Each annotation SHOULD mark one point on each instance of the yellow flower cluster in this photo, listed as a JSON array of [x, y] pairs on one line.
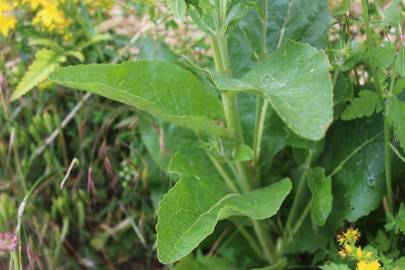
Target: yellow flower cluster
[[348, 249], [372, 265], [7, 20], [48, 15]]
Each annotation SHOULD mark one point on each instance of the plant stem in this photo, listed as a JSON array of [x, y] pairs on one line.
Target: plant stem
[[250, 239], [223, 173], [261, 113], [259, 132], [380, 88], [265, 241], [264, 17], [229, 99], [296, 200]]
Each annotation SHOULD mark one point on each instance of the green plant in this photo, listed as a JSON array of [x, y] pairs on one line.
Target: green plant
[[233, 136]]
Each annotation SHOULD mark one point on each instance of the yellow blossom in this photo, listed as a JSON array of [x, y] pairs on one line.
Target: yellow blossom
[[348, 249], [5, 6], [7, 20], [351, 235], [359, 253], [48, 15], [372, 265], [51, 18]]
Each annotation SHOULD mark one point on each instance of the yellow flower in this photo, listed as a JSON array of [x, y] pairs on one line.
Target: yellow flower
[[348, 249], [5, 6], [372, 265], [50, 17], [7, 21], [350, 236], [359, 253]]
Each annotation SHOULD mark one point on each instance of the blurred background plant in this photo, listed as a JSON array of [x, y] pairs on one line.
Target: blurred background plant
[[103, 216]]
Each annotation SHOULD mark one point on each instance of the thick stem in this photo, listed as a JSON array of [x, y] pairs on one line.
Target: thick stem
[[261, 113], [230, 103], [229, 99], [233, 123], [380, 88]]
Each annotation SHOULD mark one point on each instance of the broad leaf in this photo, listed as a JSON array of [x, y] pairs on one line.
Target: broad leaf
[[296, 81], [44, 63], [189, 212], [396, 117], [300, 20], [321, 189], [150, 49], [163, 89], [357, 148], [366, 104]]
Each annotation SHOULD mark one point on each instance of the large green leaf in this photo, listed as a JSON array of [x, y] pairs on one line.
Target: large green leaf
[[163, 89], [357, 148], [44, 63], [296, 81], [299, 20], [189, 212]]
